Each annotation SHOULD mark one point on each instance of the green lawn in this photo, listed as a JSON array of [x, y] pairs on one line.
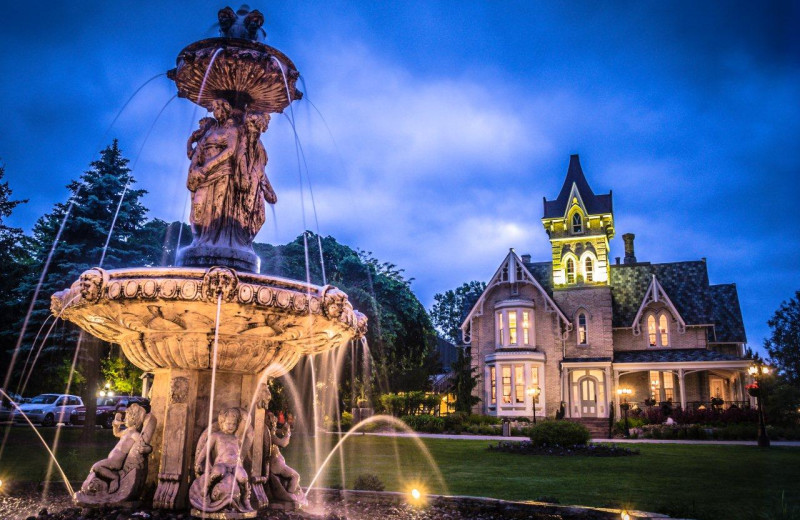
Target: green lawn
[[690, 481]]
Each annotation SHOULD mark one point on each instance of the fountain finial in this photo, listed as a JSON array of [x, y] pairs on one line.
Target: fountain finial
[[243, 24]]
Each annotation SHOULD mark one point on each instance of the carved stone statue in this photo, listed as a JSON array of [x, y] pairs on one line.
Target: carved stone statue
[[119, 477], [284, 481], [244, 23], [222, 483], [255, 187]]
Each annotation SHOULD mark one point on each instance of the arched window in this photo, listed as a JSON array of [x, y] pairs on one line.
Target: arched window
[[663, 329], [651, 331], [588, 271], [577, 223], [583, 338], [658, 329], [570, 270]]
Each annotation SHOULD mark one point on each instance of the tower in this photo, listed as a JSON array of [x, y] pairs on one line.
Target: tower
[[580, 225]]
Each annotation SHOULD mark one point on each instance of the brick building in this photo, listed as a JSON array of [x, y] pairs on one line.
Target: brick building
[[578, 327]]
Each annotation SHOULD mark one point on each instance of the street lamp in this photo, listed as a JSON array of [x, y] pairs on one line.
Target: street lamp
[[534, 392], [623, 394], [756, 370]]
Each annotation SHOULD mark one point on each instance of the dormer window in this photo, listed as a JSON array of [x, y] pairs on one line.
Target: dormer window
[[577, 223], [658, 329], [570, 270], [583, 337]]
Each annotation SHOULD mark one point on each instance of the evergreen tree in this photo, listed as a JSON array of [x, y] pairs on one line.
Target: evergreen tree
[[465, 379], [87, 218], [783, 345]]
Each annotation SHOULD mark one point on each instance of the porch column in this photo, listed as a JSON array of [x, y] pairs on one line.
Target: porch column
[[607, 385], [566, 384], [618, 410], [681, 385]]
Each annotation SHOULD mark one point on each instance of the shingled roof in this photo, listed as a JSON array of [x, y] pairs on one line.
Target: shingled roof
[[728, 325], [676, 355], [686, 284], [595, 204]]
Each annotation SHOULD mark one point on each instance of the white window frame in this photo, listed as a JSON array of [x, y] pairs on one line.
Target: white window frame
[[503, 335], [585, 342], [658, 317]]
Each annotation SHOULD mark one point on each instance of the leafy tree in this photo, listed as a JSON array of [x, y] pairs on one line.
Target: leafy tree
[[452, 307], [465, 379], [123, 376], [400, 334], [783, 345]]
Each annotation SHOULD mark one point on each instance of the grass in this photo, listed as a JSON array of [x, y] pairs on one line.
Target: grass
[[688, 481]]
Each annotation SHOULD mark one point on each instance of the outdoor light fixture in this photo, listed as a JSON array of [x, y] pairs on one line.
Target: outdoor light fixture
[[101, 393], [625, 406], [756, 370], [625, 515], [108, 385], [534, 392], [415, 494]]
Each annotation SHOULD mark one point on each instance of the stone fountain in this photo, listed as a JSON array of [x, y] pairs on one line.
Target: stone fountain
[[212, 330]]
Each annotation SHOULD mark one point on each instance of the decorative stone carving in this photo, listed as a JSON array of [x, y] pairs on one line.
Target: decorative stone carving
[[284, 482], [243, 23], [222, 484], [220, 281], [178, 390], [119, 477], [92, 283], [333, 302]]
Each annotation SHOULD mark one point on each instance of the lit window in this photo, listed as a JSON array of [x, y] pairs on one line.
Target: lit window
[[582, 336], [519, 384], [658, 329], [493, 379], [534, 376], [506, 384], [526, 324], [669, 386], [512, 327], [655, 385], [570, 271], [651, 330], [501, 328], [663, 329], [588, 273], [577, 223]]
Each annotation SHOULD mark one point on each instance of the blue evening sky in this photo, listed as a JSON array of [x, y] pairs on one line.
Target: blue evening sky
[[449, 121]]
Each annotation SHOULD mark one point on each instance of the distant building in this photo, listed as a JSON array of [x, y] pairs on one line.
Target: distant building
[[578, 327]]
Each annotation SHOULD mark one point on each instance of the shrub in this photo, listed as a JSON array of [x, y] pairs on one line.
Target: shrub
[[347, 421], [424, 423], [633, 423], [368, 482], [455, 422], [560, 433]]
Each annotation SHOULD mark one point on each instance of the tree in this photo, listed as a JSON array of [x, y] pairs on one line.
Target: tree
[[86, 217], [400, 334], [783, 345], [465, 379], [451, 309]]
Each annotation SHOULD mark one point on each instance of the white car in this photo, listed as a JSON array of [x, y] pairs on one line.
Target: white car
[[48, 409]]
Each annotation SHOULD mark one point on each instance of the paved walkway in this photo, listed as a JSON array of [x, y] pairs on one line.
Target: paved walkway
[[793, 444]]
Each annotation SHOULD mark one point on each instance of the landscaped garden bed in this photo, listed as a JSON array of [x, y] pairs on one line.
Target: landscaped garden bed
[[586, 450]]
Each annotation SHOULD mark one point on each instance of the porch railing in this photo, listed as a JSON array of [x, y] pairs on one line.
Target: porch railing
[[695, 405]]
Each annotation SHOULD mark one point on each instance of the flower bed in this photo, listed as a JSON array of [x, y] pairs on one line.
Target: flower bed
[[587, 450]]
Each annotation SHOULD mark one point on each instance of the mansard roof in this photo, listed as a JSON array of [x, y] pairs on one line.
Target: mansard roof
[[686, 284], [672, 355], [594, 204], [728, 325]]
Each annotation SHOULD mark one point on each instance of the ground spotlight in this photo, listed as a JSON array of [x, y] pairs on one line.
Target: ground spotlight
[[625, 515]]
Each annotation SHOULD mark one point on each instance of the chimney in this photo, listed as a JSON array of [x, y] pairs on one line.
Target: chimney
[[630, 256], [526, 259]]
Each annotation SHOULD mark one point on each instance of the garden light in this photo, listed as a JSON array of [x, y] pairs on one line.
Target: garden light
[[625, 515], [415, 494]]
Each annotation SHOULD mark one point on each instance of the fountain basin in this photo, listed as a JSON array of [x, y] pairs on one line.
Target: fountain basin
[[166, 317], [249, 74]]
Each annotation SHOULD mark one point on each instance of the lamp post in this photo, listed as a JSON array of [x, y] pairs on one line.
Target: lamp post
[[534, 392], [623, 394], [756, 370]]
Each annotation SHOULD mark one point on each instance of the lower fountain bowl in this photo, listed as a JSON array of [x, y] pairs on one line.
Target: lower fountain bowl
[[172, 317]]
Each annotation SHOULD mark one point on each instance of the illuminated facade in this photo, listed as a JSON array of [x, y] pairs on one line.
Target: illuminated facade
[[578, 327]]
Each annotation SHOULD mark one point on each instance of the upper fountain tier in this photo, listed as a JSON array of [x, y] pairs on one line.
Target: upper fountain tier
[[236, 67]]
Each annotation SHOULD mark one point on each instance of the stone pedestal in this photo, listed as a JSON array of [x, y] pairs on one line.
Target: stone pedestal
[[209, 256]]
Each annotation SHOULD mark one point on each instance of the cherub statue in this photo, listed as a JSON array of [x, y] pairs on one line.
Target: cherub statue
[[119, 477], [222, 483], [285, 482]]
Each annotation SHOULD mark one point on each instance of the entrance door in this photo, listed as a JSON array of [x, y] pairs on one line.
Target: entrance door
[[588, 386], [716, 387]]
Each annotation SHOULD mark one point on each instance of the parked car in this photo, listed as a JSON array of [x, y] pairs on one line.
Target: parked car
[[48, 409], [6, 408], [107, 408]]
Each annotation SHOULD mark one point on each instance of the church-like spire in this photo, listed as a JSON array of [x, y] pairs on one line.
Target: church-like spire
[[593, 204]]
